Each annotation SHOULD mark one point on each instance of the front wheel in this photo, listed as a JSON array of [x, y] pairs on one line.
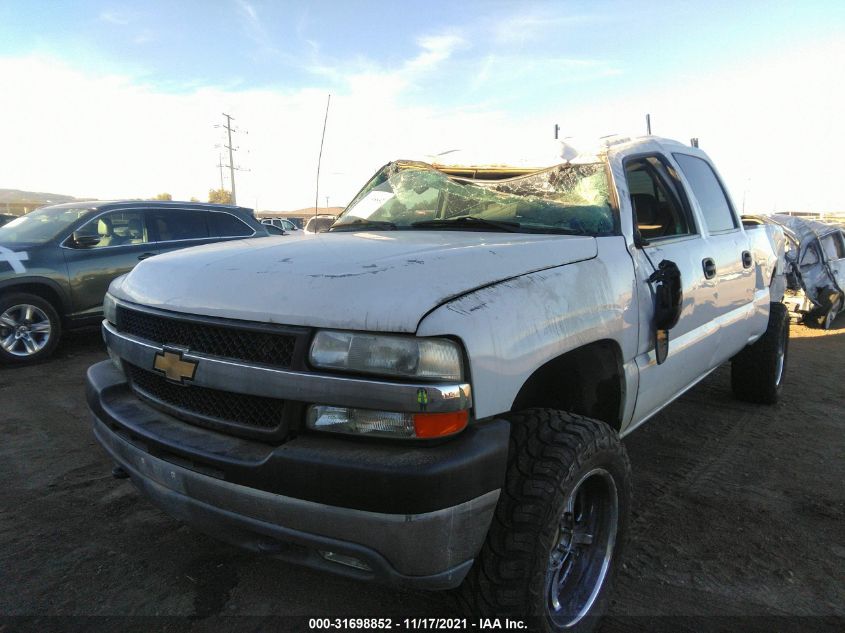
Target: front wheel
[[29, 328], [830, 316], [555, 542]]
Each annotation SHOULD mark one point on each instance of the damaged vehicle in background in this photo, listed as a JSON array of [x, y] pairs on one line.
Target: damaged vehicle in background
[[319, 223], [815, 267], [436, 394]]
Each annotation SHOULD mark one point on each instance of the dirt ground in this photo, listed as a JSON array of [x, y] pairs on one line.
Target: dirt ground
[[738, 525]]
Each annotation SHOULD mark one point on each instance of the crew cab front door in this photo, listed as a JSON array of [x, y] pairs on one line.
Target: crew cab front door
[[666, 229]]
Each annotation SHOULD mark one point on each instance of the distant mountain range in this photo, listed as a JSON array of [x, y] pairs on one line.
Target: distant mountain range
[[16, 196]]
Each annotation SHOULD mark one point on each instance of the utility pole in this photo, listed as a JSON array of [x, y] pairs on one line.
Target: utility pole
[[220, 165], [327, 202], [228, 127], [648, 124]]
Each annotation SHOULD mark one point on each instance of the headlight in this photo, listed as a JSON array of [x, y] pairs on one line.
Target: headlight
[[110, 309], [399, 356]]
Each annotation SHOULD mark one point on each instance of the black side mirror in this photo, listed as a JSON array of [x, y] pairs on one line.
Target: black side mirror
[[668, 302], [84, 241]]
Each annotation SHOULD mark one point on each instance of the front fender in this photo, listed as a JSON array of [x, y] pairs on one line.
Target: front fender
[[511, 328]]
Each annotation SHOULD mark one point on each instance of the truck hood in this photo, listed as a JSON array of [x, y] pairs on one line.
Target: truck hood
[[378, 281]]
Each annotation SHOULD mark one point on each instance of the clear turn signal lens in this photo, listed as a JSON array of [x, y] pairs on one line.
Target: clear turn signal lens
[[386, 423]]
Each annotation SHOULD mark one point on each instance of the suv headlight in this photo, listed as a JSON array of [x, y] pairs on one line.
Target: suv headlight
[[110, 309], [392, 356]]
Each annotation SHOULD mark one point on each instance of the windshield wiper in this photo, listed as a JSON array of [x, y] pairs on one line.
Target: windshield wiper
[[468, 221], [362, 223]]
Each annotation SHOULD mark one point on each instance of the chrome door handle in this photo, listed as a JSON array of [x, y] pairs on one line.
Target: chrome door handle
[[709, 267]]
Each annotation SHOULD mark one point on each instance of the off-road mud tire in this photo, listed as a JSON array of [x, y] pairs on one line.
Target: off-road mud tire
[[757, 372], [550, 452]]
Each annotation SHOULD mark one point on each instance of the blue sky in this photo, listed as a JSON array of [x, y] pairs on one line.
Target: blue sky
[[520, 66]]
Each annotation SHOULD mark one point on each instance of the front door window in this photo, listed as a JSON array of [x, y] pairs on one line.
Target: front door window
[[118, 228]]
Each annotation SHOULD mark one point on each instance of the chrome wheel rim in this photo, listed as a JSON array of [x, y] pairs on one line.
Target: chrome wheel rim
[[581, 554], [781, 358], [24, 330], [779, 366]]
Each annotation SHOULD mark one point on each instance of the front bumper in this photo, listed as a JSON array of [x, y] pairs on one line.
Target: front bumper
[[289, 501]]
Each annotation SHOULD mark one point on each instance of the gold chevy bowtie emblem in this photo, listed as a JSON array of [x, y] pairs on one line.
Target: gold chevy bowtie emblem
[[174, 368]]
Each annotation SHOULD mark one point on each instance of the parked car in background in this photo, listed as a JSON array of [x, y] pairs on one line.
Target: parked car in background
[[282, 223], [56, 263], [319, 223], [5, 218], [272, 229]]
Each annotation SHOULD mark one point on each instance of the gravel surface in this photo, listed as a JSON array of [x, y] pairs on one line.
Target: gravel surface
[[738, 520]]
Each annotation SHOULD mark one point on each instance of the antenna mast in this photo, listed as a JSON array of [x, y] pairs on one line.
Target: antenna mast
[[320, 157]]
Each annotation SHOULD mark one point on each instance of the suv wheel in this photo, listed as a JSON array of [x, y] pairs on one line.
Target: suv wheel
[[556, 538], [29, 328]]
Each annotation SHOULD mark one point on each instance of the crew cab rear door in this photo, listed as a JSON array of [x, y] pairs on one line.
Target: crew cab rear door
[[728, 256]]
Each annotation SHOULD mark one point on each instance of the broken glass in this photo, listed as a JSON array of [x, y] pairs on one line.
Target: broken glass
[[563, 199]]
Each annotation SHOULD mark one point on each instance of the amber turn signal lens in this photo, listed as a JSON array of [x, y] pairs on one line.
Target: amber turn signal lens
[[440, 424]]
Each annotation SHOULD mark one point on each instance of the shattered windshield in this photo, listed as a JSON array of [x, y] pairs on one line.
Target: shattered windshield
[[571, 199]]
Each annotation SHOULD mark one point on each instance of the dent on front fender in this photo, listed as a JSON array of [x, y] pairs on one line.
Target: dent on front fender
[[511, 328]]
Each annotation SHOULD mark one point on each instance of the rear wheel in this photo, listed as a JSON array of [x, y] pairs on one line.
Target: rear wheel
[[555, 542], [29, 328], [757, 371]]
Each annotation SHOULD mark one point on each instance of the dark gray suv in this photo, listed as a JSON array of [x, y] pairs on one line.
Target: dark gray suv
[[57, 262]]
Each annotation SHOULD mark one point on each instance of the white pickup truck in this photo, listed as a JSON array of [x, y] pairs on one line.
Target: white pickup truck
[[432, 393]]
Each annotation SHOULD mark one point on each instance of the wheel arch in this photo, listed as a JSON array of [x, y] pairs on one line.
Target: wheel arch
[[589, 381], [44, 288]]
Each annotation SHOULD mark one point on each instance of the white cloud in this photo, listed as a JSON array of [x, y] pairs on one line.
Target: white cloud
[[524, 25], [773, 126], [435, 49], [115, 17], [774, 130], [106, 136]]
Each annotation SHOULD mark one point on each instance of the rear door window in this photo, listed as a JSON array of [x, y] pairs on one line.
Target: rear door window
[[227, 225], [172, 225], [717, 211]]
